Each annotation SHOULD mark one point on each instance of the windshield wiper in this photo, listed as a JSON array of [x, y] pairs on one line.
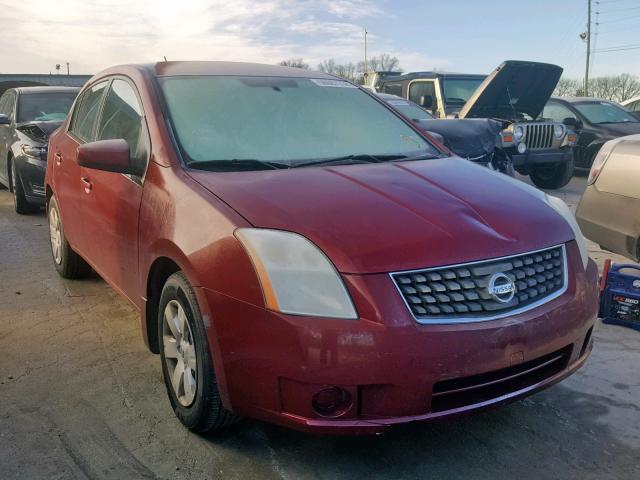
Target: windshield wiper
[[238, 163], [357, 158]]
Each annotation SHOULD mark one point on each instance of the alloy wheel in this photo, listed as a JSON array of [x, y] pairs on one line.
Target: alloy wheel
[[55, 233], [179, 353]]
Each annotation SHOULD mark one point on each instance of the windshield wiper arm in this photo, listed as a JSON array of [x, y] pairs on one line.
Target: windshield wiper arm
[[238, 162], [362, 157]]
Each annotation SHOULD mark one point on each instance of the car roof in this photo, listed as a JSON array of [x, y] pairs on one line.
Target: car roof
[[630, 100], [44, 89], [389, 96], [419, 75], [581, 99], [170, 69]]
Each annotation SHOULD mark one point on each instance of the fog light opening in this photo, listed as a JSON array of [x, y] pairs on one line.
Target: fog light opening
[[331, 402], [522, 147]]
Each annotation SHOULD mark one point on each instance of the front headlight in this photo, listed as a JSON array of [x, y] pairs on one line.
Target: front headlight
[[295, 275], [559, 130], [34, 152], [563, 209], [518, 133]]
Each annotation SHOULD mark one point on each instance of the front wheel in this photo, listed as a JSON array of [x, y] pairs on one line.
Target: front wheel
[[187, 366], [552, 177], [20, 202]]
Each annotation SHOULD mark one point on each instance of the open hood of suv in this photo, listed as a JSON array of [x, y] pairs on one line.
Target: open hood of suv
[[513, 89]]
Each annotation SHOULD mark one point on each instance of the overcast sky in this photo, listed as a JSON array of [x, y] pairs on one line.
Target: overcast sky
[[470, 36]]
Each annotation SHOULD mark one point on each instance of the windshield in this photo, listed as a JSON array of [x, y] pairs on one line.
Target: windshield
[[604, 112], [44, 107], [459, 90], [290, 121], [410, 109]]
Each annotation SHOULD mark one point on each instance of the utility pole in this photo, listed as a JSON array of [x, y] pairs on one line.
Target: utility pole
[[366, 64], [586, 72]]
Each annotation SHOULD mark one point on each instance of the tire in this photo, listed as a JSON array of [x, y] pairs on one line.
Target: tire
[[552, 177], [20, 202], [67, 262], [186, 360]]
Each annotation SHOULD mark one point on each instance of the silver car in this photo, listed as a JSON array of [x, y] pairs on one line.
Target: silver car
[[609, 212]]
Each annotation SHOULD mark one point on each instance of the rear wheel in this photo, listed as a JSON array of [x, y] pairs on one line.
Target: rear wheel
[[551, 177], [67, 262], [187, 366], [20, 203]]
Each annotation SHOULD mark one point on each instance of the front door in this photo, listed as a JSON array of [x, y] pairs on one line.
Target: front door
[[7, 102], [65, 170], [111, 201]]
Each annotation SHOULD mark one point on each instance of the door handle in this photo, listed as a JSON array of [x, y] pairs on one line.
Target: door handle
[[87, 184], [58, 157]]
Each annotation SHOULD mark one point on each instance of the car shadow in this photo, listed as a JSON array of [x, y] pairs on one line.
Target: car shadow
[[555, 434]]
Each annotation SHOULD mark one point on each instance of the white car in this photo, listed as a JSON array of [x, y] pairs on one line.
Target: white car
[[633, 105]]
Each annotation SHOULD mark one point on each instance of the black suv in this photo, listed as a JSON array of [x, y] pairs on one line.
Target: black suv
[[27, 116]]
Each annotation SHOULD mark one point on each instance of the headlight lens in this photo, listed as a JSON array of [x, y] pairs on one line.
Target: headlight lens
[[563, 209], [295, 275], [34, 152], [518, 133], [558, 130]]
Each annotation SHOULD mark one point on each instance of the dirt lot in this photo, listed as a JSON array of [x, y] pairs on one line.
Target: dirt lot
[[81, 398]]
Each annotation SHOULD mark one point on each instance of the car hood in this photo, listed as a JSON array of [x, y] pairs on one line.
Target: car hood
[[467, 138], [512, 89], [619, 129], [38, 131], [372, 218]]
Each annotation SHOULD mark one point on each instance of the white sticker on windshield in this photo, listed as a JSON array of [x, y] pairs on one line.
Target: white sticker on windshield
[[326, 82], [398, 102]]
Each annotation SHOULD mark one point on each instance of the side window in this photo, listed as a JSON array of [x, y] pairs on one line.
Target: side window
[[393, 89], [86, 111], [122, 117], [556, 112], [7, 101], [423, 89]]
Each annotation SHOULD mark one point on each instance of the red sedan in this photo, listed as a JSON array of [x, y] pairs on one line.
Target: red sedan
[[301, 254]]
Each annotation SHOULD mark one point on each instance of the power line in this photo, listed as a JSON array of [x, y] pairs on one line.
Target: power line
[[619, 48], [618, 10], [620, 19]]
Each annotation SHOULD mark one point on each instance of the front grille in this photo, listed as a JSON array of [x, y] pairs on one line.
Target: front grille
[[461, 293], [538, 135], [460, 392]]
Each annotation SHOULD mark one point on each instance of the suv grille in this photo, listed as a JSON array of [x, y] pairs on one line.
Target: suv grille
[[484, 290], [538, 135]]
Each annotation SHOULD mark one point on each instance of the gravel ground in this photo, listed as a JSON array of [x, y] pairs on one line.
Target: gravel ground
[[81, 398]]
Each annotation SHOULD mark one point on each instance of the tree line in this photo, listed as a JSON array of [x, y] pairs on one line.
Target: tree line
[[617, 88], [351, 71]]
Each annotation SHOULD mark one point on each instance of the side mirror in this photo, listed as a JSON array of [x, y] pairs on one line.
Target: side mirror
[[107, 155], [426, 101], [4, 120], [573, 123]]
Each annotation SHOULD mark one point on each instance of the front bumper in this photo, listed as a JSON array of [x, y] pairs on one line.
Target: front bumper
[[31, 173], [269, 365], [541, 157]]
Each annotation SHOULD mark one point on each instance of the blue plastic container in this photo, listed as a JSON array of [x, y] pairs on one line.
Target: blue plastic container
[[620, 303]]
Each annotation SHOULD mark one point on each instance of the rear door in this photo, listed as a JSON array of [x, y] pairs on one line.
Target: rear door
[[111, 201], [65, 169]]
